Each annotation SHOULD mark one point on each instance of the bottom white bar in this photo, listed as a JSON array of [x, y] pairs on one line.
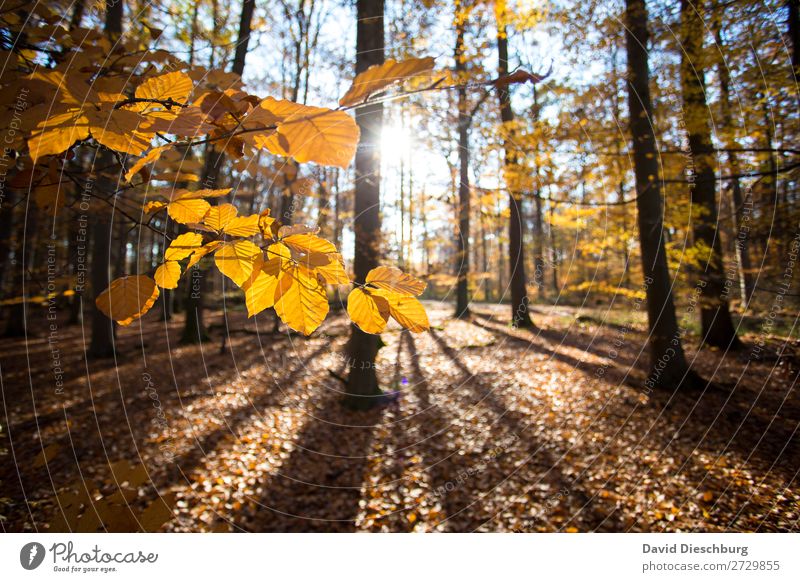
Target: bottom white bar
[[389, 557]]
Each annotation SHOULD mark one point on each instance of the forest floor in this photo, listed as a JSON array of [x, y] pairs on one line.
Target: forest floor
[[491, 429]]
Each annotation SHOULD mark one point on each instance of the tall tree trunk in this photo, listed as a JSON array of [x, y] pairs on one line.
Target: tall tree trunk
[[463, 208], [102, 342], [16, 325], [245, 27], [740, 245], [794, 36], [7, 215], [667, 360], [77, 14], [362, 382], [520, 315], [715, 316]]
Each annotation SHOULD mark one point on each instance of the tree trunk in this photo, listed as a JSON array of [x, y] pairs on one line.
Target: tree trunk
[[245, 26], [17, 323], [77, 14], [740, 245], [794, 36], [668, 367], [102, 342], [717, 325], [520, 315], [7, 215], [462, 236], [362, 382]]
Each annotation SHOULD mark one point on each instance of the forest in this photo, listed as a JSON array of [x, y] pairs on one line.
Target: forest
[[400, 266]]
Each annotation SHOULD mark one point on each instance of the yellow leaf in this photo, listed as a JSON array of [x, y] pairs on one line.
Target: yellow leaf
[[265, 222], [128, 298], [57, 133], [189, 122], [368, 311], [120, 129], [300, 300], [202, 252], [238, 260], [310, 134], [289, 230], [195, 194], [279, 250], [333, 270], [308, 243], [175, 86], [407, 311], [183, 246], [219, 216], [154, 206], [259, 289], [243, 226], [188, 211], [394, 280], [167, 275], [379, 77], [151, 156]]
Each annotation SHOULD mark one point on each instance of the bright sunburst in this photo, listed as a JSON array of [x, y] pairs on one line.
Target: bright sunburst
[[395, 144]]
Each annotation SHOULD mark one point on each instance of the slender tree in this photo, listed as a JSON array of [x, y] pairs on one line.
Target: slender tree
[[667, 359], [463, 203], [362, 382], [520, 314], [741, 243], [102, 342], [717, 325]]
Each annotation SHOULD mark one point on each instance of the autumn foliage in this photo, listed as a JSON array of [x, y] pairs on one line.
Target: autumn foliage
[[147, 107]]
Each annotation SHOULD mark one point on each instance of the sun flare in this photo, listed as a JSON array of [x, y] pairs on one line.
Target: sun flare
[[395, 143]]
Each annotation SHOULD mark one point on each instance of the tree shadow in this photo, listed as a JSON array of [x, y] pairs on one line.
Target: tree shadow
[[182, 465], [758, 424], [319, 486], [611, 373], [507, 422]]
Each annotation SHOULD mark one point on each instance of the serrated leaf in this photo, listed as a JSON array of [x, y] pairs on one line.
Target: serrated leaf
[[332, 269], [259, 289], [310, 134], [168, 274], [152, 156], [368, 311], [378, 77], [279, 250], [244, 226], [183, 246], [202, 252], [183, 194], [238, 260], [300, 300], [219, 216], [394, 280], [128, 298], [153, 206], [308, 243], [175, 86], [188, 210], [407, 311]]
